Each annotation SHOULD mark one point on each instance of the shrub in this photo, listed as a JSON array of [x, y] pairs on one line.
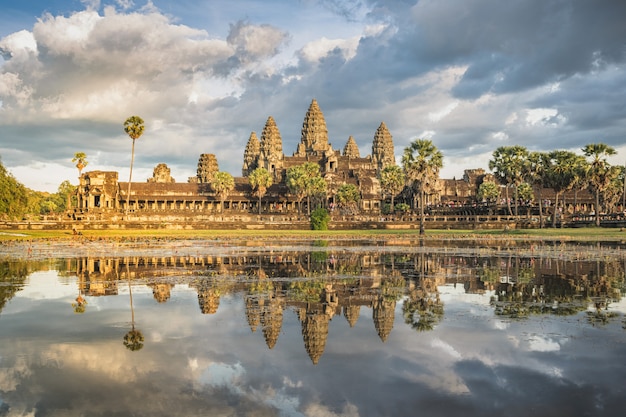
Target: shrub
[[320, 219]]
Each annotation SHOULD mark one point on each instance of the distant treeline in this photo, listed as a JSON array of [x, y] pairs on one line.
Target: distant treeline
[[17, 202]]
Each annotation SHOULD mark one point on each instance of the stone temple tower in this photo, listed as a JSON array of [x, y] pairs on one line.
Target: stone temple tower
[[382, 148], [271, 157], [251, 155], [314, 140]]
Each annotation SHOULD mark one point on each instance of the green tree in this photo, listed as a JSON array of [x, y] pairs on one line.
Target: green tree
[[599, 171], [134, 128], [535, 171], [260, 180], [392, 181], [561, 174], [305, 181], [66, 195], [81, 161], [508, 167], [525, 193], [488, 192], [422, 162], [320, 219], [348, 197], [222, 183], [13, 196]]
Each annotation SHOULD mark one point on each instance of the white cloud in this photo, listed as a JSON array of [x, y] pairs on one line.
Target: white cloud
[[320, 48], [540, 115], [438, 115]]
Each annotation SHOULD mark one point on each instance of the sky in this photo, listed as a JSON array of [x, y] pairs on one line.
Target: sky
[[471, 75]]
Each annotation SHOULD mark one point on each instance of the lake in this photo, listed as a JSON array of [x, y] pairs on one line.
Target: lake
[[298, 327]]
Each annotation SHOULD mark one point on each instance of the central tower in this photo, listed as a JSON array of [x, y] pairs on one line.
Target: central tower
[[314, 140]]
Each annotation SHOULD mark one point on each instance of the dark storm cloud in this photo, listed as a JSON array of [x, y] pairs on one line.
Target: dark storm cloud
[[517, 45]]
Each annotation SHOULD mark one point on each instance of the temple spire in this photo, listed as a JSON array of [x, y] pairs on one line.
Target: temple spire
[[382, 148], [251, 155], [351, 150], [314, 140]]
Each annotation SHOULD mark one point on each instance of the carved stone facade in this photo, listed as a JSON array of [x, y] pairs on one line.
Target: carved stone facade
[[101, 192], [161, 174]]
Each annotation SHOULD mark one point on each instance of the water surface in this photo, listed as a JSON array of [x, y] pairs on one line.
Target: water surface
[[312, 328]]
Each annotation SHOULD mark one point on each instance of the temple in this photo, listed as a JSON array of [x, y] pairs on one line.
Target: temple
[[101, 192], [101, 196]]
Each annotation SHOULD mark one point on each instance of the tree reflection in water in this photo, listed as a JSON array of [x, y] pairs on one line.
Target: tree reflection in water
[[133, 340], [329, 280]]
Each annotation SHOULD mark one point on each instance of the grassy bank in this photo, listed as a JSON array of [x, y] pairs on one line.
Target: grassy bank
[[582, 234]]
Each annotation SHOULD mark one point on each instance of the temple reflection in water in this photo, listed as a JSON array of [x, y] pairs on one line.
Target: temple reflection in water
[[325, 283]]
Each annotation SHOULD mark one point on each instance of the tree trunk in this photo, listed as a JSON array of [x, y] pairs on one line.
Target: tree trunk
[[540, 210], [598, 208], [259, 203], [516, 201], [130, 177], [508, 201], [422, 230], [556, 207]]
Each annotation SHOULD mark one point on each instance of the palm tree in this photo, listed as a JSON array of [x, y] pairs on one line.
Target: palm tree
[[133, 340], [222, 183], [305, 181], [561, 175], [599, 173], [81, 161], [422, 161], [508, 167], [260, 180], [392, 181], [133, 126], [535, 170], [296, 182], [349, 196]]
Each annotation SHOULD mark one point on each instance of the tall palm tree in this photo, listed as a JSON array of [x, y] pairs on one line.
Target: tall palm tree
[[599, 172], [508, 167], [222, 183], [535, 173], [422, 162], [561, 175], [133, 340], [260, 180], [392, 181], [134, 127], [81, 161]]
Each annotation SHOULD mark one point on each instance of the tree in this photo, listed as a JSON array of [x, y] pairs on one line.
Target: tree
[[525, 193], [536, 174], [348, 197], [599, 172], [81, 161], [508, 167], [133, 340], [134, 127], [296, 182], [560, 175], [13, 196], [260, 180], [222, 183], [305, 181], [421, 162], [488, 192], [392, 181]]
